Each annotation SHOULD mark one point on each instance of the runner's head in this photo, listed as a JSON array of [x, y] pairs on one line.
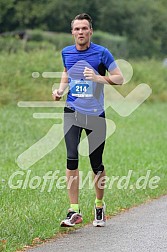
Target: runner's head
[[82, 30], [82, 16]]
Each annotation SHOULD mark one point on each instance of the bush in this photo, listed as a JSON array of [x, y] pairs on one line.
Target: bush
[[116, 44], [10, 45], [59, 40], [37, 39]]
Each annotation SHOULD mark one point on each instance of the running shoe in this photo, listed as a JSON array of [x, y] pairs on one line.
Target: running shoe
[[71, 219], [100, 220]]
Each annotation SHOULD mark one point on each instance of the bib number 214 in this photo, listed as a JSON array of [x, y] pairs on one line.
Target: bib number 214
[[81, 88]]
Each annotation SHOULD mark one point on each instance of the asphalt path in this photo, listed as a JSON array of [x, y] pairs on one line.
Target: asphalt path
[[139, 229]]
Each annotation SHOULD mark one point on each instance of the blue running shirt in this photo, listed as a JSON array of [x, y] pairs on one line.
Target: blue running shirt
[[85, 96]]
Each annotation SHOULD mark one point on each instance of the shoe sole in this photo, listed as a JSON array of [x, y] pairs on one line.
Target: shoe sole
[[63, 224], [99, 225], [76, 219]]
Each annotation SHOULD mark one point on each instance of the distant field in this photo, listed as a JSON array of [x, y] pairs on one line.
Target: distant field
[[138, 146], [16, 82]]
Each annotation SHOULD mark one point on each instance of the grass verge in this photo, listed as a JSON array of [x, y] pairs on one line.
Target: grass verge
[[138, 144]]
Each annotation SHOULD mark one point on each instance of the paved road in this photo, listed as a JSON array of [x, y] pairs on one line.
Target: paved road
[[140, 229]]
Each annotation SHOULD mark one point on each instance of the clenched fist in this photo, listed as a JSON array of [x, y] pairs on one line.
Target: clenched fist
[[57, 94], [89, 74]]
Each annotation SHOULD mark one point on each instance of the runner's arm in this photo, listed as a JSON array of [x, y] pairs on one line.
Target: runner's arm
[[57, 93], [114, 77]]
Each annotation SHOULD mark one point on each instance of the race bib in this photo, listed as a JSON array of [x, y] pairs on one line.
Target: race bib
[[81, 88]]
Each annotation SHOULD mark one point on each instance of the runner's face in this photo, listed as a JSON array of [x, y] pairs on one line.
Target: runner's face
[[82, 32]]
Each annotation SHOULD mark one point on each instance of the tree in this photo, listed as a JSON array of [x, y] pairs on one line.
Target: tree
[[143, 23]]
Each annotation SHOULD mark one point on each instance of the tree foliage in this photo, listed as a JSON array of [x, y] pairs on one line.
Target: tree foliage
[[143, 23]]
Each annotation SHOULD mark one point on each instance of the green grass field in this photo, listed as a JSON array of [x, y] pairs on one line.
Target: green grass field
[[138, 145]]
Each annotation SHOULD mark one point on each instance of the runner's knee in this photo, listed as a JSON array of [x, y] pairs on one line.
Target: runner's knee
[[98, 170], [72, 164]]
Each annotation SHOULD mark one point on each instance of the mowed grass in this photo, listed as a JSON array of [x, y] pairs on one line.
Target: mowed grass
[[138, 144]]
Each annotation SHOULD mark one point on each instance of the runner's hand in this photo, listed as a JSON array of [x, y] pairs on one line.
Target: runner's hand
[[57, 94], [89, 74]]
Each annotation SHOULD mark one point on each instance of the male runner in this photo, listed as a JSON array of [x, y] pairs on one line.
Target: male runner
[[85, 64]]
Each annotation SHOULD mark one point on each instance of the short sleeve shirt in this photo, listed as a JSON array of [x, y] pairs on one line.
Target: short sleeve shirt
[[85, 96]]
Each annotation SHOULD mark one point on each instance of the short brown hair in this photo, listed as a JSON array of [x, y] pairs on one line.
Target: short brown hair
[[81, 17]]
